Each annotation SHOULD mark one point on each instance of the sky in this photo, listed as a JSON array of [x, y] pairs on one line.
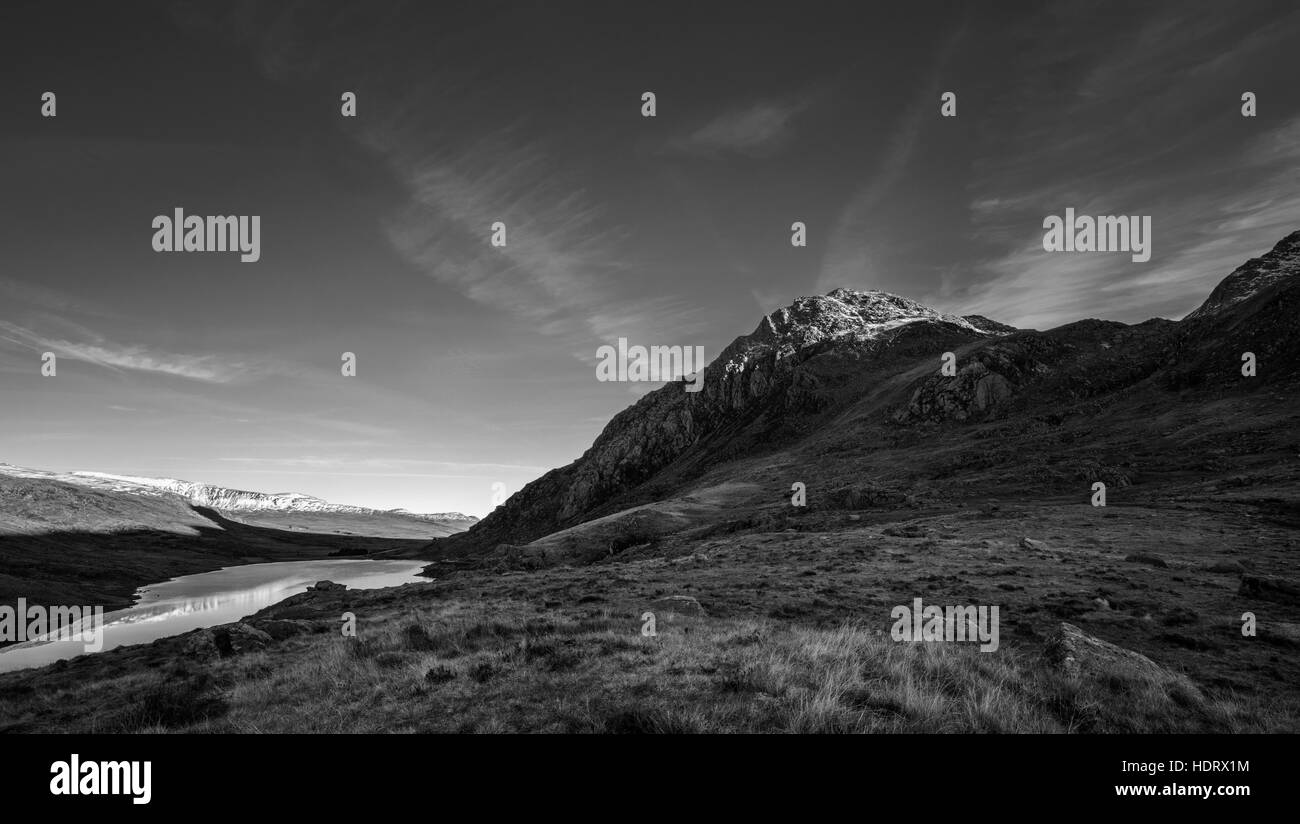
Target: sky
[[475, 364]]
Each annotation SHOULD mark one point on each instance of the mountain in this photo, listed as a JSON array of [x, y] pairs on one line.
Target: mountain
[[846, 389], [220, 498], [798, 361], [87, 537], [1254, 277], [38, 501], [1254, 309]]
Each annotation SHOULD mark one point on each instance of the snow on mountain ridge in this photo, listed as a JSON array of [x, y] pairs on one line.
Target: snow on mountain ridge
[[218, 497], [215, 497], [844, 312]]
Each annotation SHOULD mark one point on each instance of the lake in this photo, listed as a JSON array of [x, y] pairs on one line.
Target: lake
[[211, 598]]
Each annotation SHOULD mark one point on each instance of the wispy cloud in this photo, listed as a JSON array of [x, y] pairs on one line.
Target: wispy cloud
[[1203, 227], [560, 268], [565, 268], [1219, 188], [756, 130], [136, 358]]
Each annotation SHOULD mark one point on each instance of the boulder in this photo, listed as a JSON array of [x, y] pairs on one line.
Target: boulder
[[225, 641], [239, 638], [1075, 653], [326, 586], [200, 645]]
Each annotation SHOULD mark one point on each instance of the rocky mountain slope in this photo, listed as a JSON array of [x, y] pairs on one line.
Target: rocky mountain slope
[[1252, 278], [858, 373], [794, 364]]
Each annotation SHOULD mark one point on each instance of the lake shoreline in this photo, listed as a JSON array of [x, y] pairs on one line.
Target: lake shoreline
[[185, 603], [107, 570]]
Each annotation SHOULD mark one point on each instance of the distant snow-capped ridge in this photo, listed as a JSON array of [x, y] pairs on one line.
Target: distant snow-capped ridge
[[218, 497]]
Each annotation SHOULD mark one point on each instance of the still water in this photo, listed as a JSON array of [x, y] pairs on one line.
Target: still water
[[211, 598]]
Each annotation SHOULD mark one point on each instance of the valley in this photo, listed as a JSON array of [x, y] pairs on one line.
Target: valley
[[94, 539], [1175, 607], [783, 627]]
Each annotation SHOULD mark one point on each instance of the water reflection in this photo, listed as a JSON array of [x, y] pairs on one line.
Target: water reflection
[[212, 598]]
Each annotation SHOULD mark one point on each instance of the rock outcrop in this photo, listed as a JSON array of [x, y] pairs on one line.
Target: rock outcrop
[[1077, 654], [225, 641]]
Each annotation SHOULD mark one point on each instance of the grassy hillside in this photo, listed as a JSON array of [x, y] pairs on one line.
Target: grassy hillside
[[794, 636]]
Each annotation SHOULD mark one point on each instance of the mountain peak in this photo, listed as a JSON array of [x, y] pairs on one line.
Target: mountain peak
[[1253, 276], [851, 313], [773, 375]]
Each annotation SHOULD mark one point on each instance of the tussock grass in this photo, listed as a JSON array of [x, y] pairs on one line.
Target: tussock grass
[[512, 667]]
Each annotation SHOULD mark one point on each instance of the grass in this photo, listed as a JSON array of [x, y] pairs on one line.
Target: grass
[[515, 667]]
